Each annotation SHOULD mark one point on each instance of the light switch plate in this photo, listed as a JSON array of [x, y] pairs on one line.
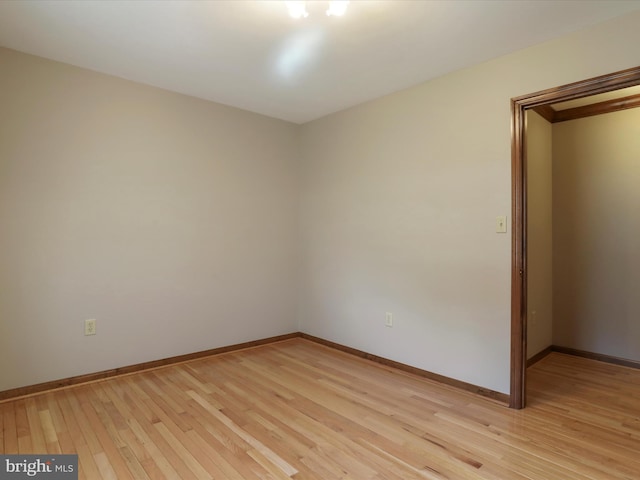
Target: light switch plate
[[501, 224], [388, 319]]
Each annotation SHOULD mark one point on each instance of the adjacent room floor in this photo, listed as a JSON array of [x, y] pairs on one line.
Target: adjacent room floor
[[300, 410]]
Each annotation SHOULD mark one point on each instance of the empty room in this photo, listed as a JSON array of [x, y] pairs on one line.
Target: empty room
[[319, 240]]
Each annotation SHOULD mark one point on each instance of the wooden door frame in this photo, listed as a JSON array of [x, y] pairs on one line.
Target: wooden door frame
[[519, 106]]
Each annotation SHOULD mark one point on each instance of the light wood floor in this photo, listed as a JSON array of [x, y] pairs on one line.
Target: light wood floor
[[300, 410]]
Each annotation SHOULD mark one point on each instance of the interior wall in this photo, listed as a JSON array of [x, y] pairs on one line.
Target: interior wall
[[399, 198], [596, 199], [171, 220], [539, 233]]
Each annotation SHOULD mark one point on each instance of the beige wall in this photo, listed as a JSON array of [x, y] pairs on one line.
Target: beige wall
[[398, 207], [596, 199], [171, 220], [539, 234]]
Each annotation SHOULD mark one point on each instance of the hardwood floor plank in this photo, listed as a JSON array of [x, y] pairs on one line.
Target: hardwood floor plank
[[152, 458], [105, 467], [109, 441], [64, 437], [159, 449], [2, 429], [255, 443], [50, 434], [36, 433], [24, 434], [213, 462], [354, 415], [232, 462], [135, 467], [77, 397], [87, 467], [139, 451], [9, 428], [192, 464], [303, 411]]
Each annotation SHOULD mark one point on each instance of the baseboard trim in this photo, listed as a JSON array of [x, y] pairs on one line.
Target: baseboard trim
[[539, 356], [90, 377], [597, 356], [15, 393], [502, 398]]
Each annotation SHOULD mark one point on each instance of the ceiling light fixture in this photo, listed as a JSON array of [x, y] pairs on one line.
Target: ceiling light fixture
[[337, 8], [298, 9]]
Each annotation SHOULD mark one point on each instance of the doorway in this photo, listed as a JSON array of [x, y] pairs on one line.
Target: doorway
[[542, 102]]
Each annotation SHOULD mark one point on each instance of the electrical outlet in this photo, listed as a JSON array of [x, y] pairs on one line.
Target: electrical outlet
[[388, 319], [90, 326]]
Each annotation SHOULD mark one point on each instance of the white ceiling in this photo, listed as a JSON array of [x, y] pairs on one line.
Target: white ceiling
[[252, 55]]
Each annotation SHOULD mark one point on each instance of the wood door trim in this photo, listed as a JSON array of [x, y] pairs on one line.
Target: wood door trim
[[608, 106], [519, 105], [547, 112]]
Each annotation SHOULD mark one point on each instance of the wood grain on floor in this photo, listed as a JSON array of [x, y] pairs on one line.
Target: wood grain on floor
[[299, 410]]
